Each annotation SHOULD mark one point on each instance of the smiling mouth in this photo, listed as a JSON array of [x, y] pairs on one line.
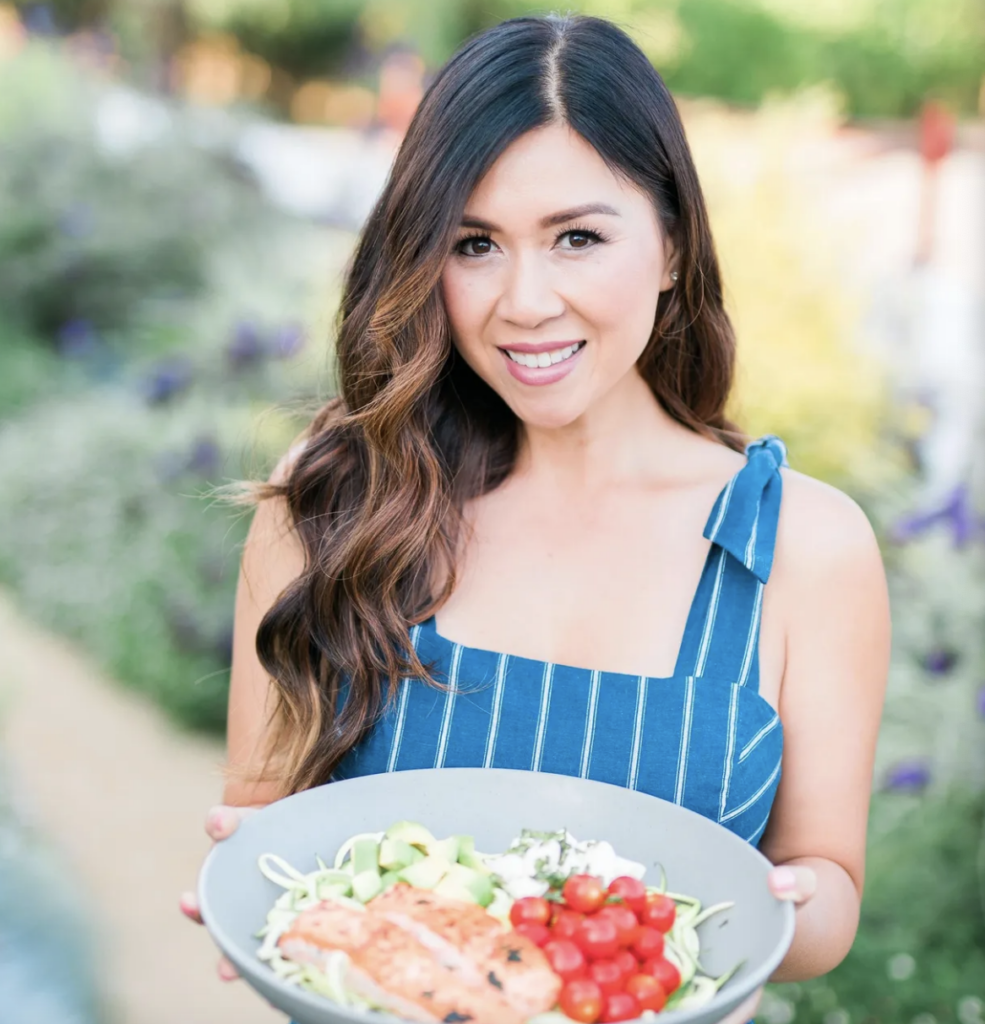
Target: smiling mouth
[[544, 359]]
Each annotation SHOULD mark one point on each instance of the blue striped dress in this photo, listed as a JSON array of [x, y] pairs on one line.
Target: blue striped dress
[[703, 738]]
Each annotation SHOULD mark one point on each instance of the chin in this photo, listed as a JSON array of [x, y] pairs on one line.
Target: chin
[[549, 416]]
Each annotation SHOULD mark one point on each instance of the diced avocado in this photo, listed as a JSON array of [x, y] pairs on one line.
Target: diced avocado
[[446, 848], [454, 890], [396, 854], [477, 885], [411, 832], [328, 887], [467, 855], [425, 874], [365, 856], [500, 905], [389, 878], [366, 885]]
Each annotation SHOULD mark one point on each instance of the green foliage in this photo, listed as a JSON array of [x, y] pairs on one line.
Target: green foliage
[[103, 538], [921, 944], [29, 371], [92, 231]]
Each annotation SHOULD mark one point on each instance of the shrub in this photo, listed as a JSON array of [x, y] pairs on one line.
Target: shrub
[[920, 952]]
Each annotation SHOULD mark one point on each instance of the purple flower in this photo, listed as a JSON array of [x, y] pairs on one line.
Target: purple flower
[[940, 661], [981, 701], [39, 20], [956, 512], [205, 457], [911, 776], [166, 381], [288, 341], [77, 338], [246, 347]]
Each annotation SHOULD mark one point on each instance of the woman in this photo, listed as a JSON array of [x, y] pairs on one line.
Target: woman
[[533, 365]]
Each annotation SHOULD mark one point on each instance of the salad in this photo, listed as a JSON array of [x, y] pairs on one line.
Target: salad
[[549, 931]]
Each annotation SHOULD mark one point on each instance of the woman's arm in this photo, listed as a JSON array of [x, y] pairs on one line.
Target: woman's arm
[[272, 559], [830, 592]]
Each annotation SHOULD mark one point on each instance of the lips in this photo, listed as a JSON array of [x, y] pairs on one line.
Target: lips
[[542, 364]]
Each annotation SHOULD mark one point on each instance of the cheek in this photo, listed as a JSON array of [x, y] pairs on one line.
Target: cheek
[[624, 294], [465, 302]]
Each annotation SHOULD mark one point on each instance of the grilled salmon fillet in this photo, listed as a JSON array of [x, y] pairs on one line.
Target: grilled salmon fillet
[[428, 958]]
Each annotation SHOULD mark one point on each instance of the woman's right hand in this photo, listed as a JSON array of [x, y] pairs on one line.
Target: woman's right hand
[[220, 823]]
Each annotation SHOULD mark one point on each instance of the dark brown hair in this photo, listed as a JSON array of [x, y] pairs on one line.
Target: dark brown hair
[[377, 492]]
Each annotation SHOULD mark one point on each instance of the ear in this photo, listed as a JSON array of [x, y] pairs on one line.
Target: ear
[[670, 264]]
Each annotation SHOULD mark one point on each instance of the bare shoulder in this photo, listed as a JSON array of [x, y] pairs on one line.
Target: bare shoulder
[[821, 529]]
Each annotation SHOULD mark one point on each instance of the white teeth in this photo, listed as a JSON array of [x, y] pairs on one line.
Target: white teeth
[[542, 359]]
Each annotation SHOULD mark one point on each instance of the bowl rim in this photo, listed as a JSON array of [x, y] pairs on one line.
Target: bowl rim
[[747, 984]]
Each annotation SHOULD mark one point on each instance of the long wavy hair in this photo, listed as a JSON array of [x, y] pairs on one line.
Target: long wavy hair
[[377, 492]]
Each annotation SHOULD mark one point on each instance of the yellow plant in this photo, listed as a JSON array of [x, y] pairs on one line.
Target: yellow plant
[[803, 371]]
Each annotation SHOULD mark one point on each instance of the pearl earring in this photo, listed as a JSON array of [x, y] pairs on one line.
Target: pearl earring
[[674, 276]]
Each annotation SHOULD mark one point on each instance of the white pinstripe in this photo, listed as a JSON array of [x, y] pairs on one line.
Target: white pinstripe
[[743, 807], [682, 753], [634, 760], [753, 637], [759, 828], [750, 557], [705, 646], [398, 729], [586, 746], [497, 707], [546, 682], [720, 518], [733, 723], [758, 738], [450, 694]]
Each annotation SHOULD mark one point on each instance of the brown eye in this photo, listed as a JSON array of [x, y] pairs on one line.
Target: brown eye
[[578, 240], [475, 246]]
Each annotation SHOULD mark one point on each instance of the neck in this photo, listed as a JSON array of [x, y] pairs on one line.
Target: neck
[[624, 439]]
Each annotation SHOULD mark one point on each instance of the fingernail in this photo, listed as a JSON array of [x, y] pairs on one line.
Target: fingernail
[[186, 901], [226, 971], [784, 880]]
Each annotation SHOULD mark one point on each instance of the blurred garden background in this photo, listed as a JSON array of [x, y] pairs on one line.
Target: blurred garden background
[[181, 182]]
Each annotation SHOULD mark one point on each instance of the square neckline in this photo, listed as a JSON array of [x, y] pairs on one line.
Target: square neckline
[[766, 453]]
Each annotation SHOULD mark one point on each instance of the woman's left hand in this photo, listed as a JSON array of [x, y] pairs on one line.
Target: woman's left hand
[[791, 882]]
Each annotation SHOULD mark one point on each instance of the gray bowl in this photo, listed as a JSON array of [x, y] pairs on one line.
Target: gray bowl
[[700, 857]]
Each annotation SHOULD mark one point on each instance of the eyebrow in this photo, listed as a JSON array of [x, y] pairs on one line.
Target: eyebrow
[[561, 217]]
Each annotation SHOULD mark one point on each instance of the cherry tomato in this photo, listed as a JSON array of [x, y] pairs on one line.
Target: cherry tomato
[[665, 972], [620, 1006], [566, 924], [530, 910], [581, 1000], [584, 893], [608, 975], [649, 944], [566, 959], [647, 991], [631, 891], [539, 934], [597, 937], [627, 927], [627, 962], [659, 912]]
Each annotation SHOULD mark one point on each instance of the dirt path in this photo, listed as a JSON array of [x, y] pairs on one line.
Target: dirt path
[[123, 795]]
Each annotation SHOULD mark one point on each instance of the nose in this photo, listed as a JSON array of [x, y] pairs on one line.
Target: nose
[[529, 297]]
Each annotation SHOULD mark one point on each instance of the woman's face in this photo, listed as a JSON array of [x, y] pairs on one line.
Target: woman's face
[[552, 287]]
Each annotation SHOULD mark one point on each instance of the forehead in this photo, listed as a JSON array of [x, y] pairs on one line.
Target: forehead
[[548, 169]]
